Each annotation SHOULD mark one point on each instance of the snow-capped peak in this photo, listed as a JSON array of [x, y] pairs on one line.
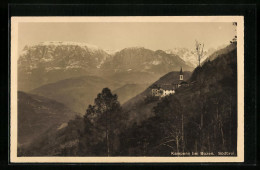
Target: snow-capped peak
[[135, 47], [111, 51], [57, 43]]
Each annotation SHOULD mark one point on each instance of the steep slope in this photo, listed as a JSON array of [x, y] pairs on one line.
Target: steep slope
[[138, 108], [166, 79], [140, 111], [129, 91], [48, 62], [205, 110], [61, 141], [76, 93], [222, 51], [36, 114]]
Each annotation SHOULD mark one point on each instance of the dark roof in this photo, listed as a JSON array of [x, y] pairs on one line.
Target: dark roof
[[183, 82], [177, 82]]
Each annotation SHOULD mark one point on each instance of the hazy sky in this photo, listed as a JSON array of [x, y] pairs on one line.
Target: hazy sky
[[121, 35]]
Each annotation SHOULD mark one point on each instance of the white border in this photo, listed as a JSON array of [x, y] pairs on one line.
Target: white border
[[13, 106]]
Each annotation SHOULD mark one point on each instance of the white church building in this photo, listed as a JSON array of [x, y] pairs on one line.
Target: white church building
[[167, 89]]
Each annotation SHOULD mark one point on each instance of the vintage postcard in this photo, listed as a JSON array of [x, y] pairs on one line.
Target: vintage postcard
[[127, 89]]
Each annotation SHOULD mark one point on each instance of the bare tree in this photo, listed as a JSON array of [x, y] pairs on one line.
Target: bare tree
[[174, 138], [199, 51], [200, 54]]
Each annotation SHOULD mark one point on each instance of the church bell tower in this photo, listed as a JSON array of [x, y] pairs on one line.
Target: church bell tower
[[181, 74]]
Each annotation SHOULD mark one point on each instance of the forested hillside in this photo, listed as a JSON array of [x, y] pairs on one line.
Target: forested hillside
[[199, 118], [37, 115]]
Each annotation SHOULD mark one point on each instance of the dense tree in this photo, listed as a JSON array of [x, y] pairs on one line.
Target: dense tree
[[170, 112], [106, 118], [158, 135]]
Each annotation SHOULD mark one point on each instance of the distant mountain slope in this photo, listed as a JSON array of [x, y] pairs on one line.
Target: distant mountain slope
[[48, 62], [129, 91], [128, 77], [138, 59], [189, 55], [36, 114], [76, 93]]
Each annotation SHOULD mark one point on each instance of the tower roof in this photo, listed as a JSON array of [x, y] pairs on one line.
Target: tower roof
[[181, 71]]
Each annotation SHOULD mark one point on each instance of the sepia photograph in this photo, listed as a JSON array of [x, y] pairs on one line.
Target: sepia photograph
[[127, 89]]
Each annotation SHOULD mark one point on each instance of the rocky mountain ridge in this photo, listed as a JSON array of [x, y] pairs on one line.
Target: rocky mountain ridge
[[48, 62]]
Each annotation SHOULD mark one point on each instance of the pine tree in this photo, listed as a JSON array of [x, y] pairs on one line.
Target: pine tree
[[106, 115]]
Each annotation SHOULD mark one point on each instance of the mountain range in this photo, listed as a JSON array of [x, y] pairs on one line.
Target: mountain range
[[219, 75], [61, 79], [73, 73], [48, 62], [57, 80]]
